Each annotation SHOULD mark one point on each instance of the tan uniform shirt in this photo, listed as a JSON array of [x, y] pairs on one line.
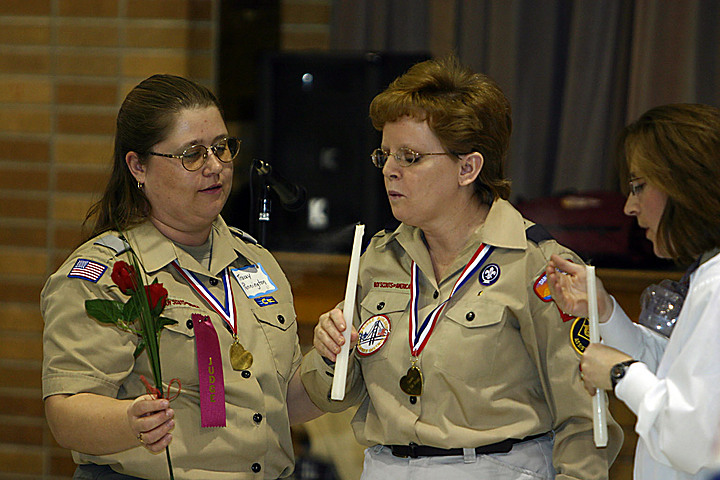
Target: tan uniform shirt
[[499, 364], [83, 355]]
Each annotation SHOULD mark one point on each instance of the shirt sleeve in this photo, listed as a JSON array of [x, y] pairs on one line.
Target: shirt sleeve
[[634, 339], [81, 354], [317, 375], [678, 408], [560, 341]]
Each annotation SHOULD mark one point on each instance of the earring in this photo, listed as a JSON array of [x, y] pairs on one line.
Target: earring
[[140, 186]]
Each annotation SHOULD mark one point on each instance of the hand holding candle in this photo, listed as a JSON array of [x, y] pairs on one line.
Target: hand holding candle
[[341, 363], [600, 431]]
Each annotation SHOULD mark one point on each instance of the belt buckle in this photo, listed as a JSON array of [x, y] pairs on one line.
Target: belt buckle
[[412, 452]]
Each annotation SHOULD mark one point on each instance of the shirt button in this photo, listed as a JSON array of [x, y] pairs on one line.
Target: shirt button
[[189, 324], [436, 294], [213, 281], [257, 418], [470, 316], [381, 305], [245, 373], [281, 319], [413, 399], [256, 467]]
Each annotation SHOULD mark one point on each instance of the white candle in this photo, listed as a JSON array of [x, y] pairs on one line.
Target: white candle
[[600, 432], [341, 363]]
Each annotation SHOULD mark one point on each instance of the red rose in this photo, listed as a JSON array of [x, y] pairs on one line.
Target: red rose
[[124, 277], [156, 295]]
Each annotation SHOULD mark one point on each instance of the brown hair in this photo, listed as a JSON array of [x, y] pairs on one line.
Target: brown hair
[[145, 118], [467, 111], [676, 148]]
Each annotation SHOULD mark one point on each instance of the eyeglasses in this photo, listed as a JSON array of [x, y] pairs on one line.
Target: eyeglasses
[[405, 156], [195, 156], [636, 188]]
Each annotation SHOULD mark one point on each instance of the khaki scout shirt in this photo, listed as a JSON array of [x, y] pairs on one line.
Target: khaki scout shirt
[[83, 355], [499, 364]]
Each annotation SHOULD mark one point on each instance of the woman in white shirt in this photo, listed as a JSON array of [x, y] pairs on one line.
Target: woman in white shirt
[[671, 163]]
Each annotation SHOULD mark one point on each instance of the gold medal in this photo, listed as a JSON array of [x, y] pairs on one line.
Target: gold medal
[[240, 359], [412, 382]]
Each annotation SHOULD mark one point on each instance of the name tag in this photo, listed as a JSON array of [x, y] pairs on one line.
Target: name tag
[[253, 280]]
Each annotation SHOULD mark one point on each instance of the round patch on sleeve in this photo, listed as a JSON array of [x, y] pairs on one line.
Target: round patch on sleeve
[[373, 334], [489, 274], [580, 334]]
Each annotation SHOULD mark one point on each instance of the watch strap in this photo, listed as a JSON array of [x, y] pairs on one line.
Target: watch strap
[[618, 370]]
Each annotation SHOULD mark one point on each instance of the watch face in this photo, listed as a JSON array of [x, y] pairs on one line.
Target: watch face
[[618, 371]]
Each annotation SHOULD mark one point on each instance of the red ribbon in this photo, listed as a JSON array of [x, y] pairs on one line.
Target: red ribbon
[[158, 393]]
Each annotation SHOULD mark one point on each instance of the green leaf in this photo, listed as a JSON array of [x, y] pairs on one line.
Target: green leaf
[[132, 309], [162, 322], [105, 311]]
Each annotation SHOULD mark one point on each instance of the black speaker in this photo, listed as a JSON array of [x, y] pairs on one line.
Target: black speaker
[[315, 132], [248, 28]]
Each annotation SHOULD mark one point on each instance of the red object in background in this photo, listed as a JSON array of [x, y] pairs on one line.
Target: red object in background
[[594, 226]]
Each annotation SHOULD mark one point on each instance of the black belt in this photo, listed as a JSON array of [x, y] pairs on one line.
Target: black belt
[[415, 451]]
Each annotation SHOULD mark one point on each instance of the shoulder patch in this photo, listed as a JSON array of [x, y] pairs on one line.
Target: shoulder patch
[[87, 270], [580, 334], [537, 233], [541, 288], [244, 236], [117, 244]]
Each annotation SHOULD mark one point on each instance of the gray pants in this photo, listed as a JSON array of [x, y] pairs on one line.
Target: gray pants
[[530, 460]]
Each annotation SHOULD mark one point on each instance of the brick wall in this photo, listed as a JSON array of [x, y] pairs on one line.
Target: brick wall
[[305, 24], [65, 66]]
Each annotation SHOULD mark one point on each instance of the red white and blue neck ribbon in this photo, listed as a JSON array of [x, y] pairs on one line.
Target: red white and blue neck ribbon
[[226, 311], [419, 336]]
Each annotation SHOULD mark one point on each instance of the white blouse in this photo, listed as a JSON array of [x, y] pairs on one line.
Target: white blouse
[[675, 391]]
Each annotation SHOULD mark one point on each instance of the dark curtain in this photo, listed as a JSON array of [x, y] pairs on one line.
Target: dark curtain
[[574, 71]]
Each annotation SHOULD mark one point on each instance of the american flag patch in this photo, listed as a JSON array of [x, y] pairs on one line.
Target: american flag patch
[[88, 270]]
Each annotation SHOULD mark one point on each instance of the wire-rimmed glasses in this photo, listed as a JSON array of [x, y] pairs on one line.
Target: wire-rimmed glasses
[[405, 156], [195, 156]]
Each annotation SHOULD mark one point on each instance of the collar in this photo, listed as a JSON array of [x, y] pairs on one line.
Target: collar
[[504, 227], [694, 266], [155, 251], [708, 255]]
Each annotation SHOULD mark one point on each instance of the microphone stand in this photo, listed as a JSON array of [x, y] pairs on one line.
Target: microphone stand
[[264, 208], [291, 196]]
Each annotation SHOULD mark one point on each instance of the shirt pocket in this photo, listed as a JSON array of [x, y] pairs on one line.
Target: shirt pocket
[[470, 339], [279, 325], [393, 306], [175, 342]]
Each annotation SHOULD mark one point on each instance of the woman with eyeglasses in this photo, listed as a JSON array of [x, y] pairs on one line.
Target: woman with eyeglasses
[[228, 348], [666, 368], [463, 367]]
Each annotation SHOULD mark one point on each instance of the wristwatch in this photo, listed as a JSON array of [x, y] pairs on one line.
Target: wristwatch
[[618, 371]]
